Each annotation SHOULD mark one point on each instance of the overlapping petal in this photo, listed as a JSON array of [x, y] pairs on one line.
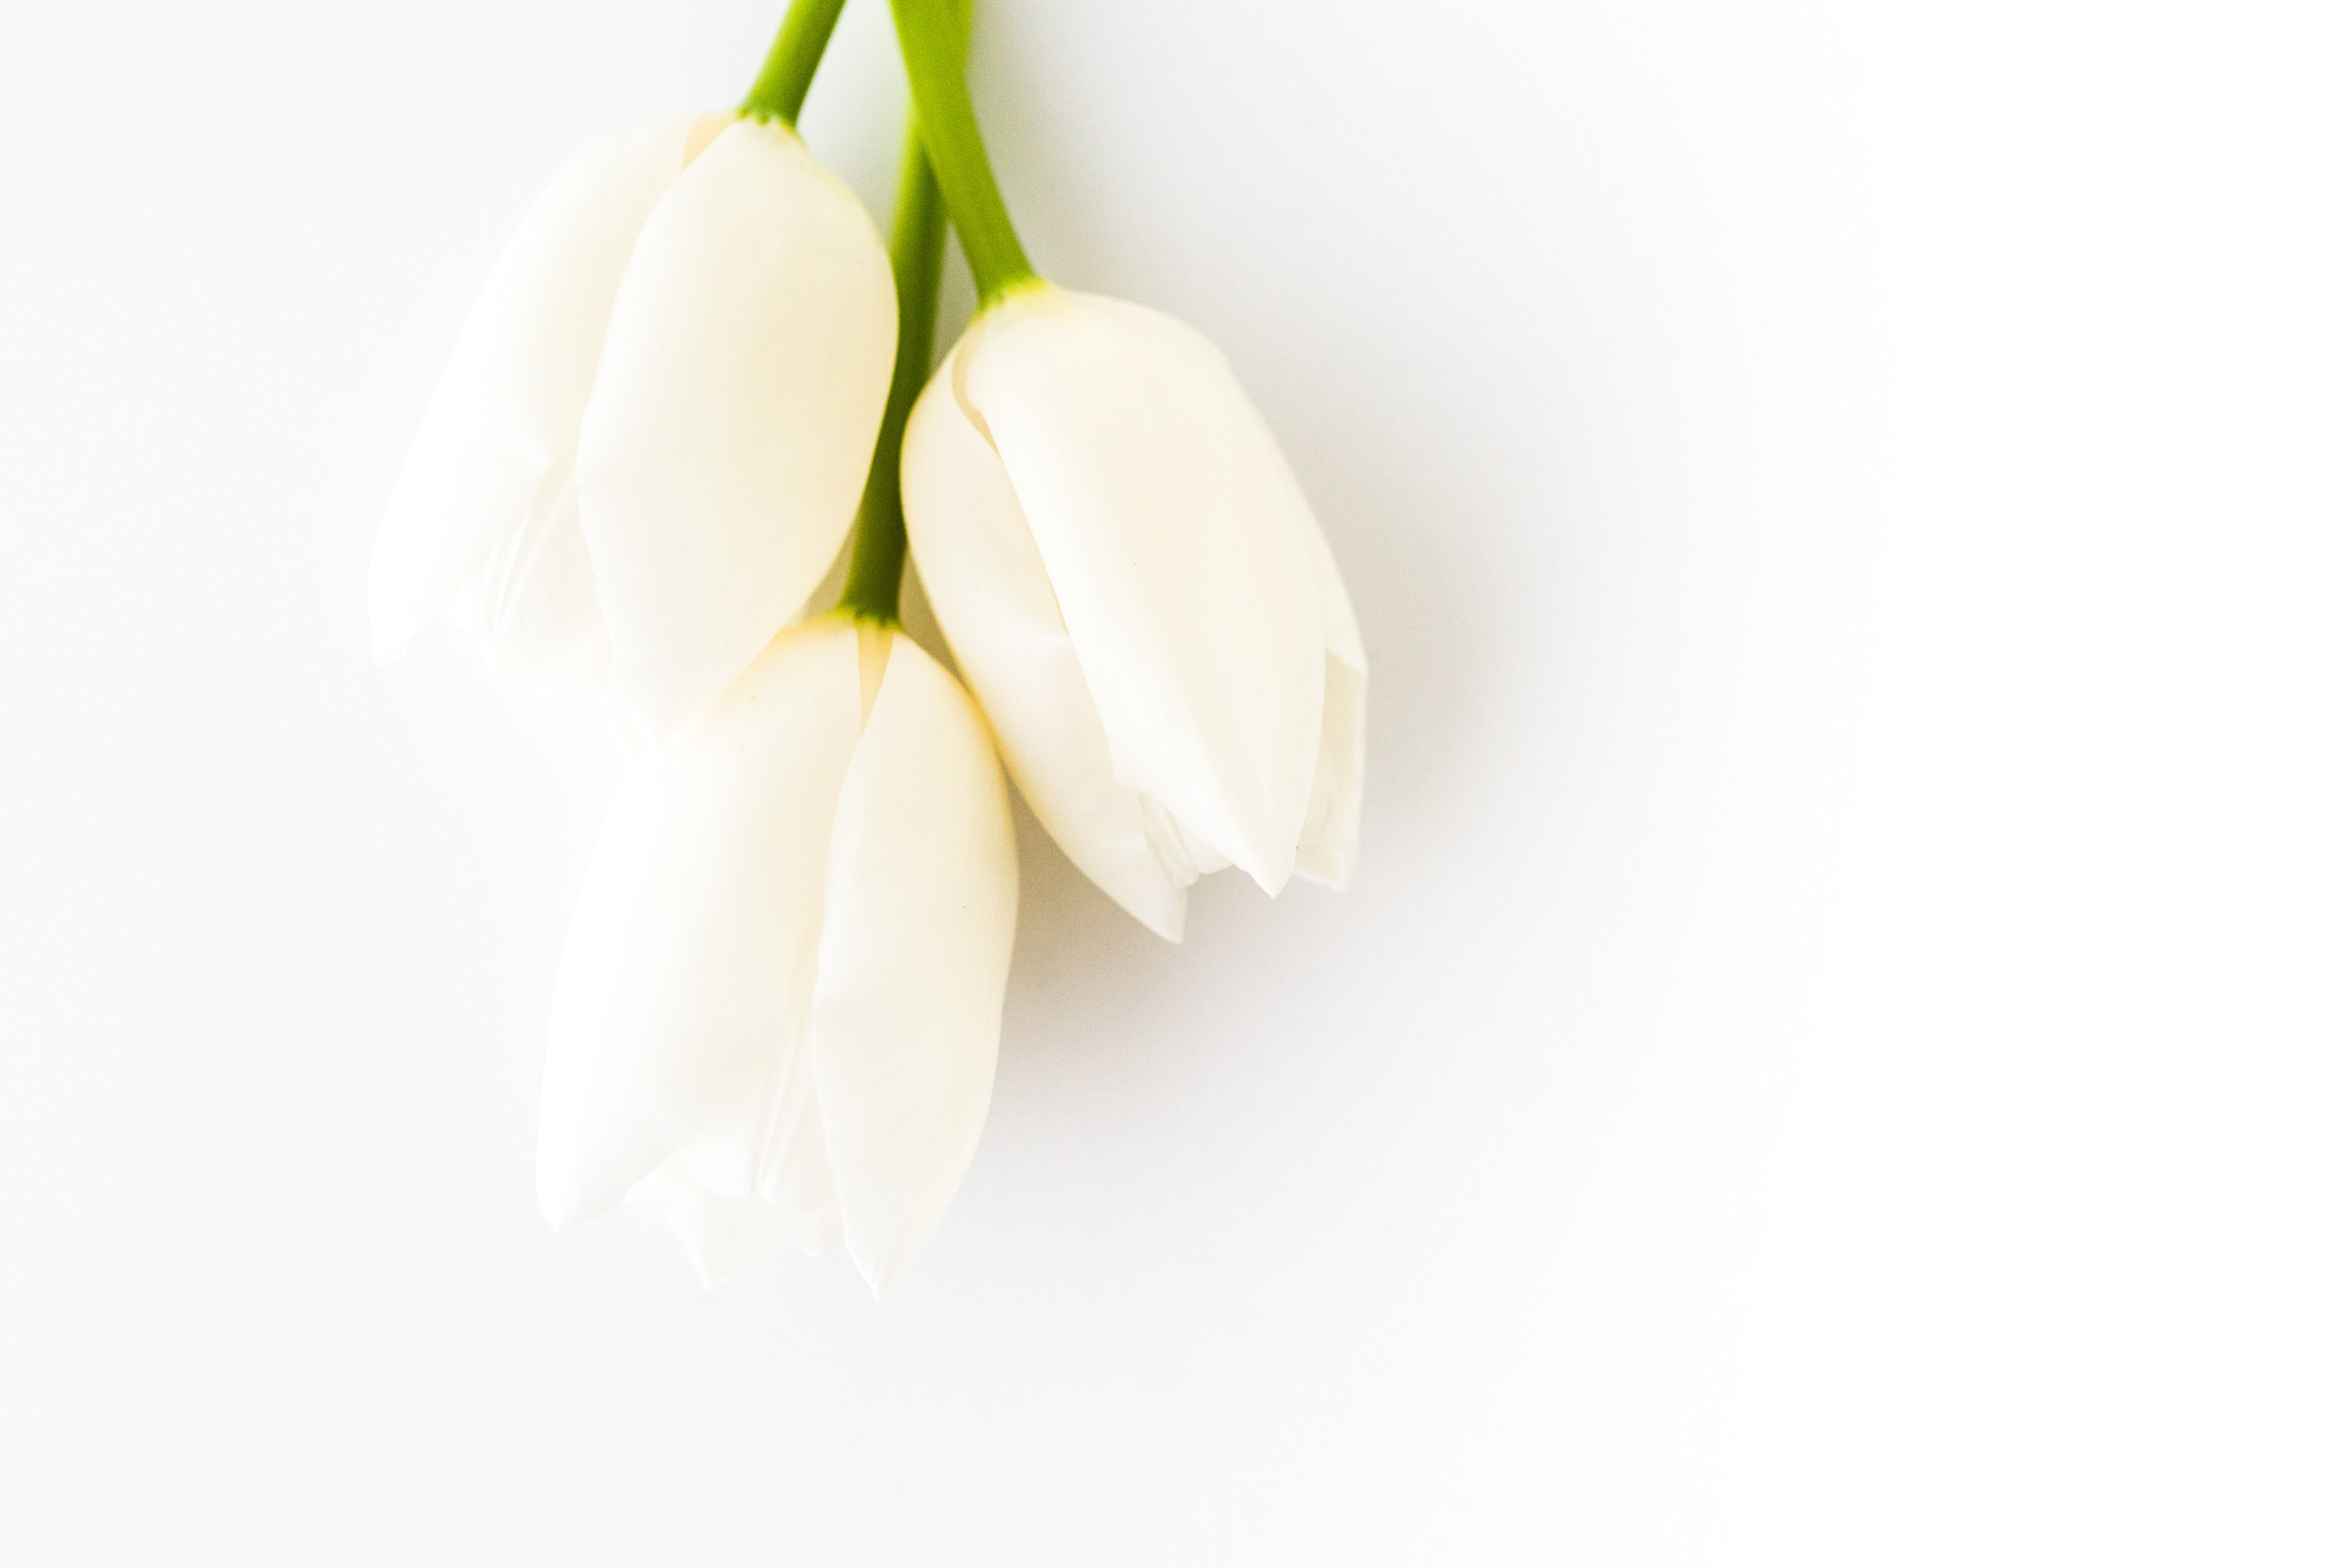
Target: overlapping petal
[[742, 380], [508, 404], [987, 585], [920, 897]]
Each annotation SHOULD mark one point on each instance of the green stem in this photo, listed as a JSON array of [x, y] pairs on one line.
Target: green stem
[[931, 37], [800, 43], [918, 242]]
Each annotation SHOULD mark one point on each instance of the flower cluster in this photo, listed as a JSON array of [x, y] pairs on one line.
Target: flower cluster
[[695, 375]]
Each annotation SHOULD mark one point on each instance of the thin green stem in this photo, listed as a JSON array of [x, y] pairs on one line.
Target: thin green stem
[[918, 242], [931, 37], [800, 43]]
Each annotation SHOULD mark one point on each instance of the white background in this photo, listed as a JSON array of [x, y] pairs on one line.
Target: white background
[[1837, 1050]]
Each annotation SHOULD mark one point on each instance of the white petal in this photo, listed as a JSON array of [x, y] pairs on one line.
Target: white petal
[[989, 590], [767, 1144], [1169, 524], [533, 600], [1335, 809], [509, 401], [727, 1236], [796, 1178], [1327, 844], [919, 900], [676, 997], [734, 415], [1185, 858]]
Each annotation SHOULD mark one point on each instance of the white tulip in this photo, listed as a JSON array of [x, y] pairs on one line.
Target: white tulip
[[777, 1009], [1140, 598], [649, 442], [776, 1014]]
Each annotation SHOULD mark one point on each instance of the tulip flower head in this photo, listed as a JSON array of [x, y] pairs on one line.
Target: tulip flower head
[[1142, 599], [1124, 565], [648, 444], [776, 1014]]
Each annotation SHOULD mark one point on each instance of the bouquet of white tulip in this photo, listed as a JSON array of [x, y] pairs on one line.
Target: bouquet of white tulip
[[693, 371]]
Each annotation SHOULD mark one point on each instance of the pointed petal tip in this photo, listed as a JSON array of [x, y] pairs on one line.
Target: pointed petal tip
[[563, 1202], [1326, 864], [1334, 878], [882, 1271], [1273, 874], [1157, 909], [1163, 918]]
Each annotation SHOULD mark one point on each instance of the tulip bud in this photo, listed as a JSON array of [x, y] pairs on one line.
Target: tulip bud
[[1139, 593], [776, 1015], [649, 442]]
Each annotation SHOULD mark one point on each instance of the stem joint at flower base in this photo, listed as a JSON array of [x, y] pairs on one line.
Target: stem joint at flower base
[[931, 36], [783, 81]]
